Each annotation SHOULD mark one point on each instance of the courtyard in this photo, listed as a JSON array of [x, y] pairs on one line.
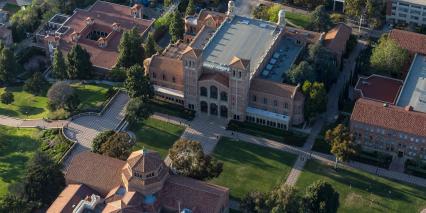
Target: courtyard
[[363, 192], [248, 167]]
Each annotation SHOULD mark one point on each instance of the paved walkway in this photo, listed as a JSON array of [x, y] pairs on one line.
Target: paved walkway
[[31, 123], [84, 129]]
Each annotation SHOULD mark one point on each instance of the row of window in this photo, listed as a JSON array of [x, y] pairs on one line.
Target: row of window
[[163, 77], [390, 133], [213, 93], [266, 122]]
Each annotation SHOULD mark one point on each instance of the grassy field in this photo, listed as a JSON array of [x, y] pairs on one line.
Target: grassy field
[[363, 192], [16, 147], [30, 106], [299, 19], [248, 167], [157, 135]]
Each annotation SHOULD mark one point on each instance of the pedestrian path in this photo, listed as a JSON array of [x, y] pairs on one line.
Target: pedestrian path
[[31, 123]]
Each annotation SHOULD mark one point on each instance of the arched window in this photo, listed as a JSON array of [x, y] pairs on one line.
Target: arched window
[[213, 109], [223, 96], [164, 77], [213, 92], [223, 111], [204, 106], [203, 91]]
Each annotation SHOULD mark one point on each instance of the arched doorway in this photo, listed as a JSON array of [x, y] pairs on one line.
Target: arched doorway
[[224, 111], [204, 106], [213, 109]]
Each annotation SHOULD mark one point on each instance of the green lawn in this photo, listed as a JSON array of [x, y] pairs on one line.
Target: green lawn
[[29, 106], [279, 135], [16, 147], [172, 109], [299, 19], [364, 192], [248, 167], [157, 135], [25, 105]]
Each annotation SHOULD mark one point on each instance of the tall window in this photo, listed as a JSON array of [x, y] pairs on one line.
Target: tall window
[[254, 98], [265, 101], [203, 91], [223, 96], [213, 92]]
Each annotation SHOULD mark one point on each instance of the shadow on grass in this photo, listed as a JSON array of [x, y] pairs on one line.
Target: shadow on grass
[[8, 112], [365, 183], [12, 167], [29, 110], [239, 152]]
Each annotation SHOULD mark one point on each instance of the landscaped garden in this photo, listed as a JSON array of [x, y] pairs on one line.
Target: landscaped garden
[[248, 167], [363, 192], [279, 135], [29, 106], [18, 145], [157, 135]]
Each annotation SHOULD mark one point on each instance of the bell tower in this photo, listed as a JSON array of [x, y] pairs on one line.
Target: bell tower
[[239, 84], [192, 64]]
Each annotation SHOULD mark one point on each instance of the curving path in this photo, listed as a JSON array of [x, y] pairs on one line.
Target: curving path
[[84, 129]]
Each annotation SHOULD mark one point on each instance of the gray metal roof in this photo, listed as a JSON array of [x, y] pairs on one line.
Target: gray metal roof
[[414, 91], [243, 37]]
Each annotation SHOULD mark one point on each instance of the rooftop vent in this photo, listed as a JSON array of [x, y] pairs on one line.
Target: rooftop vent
[[385, 105]]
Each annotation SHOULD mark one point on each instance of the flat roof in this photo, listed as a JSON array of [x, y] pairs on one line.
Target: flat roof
[[379, 88], [168, 91], [414, 91], [267, 114], [242, 37], [282, 60]]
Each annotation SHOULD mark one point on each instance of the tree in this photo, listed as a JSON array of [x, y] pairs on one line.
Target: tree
[[354, 7], [254, 202], [324, 64], [188, 159], [283, 199], [387, 57], [176, 28], [62, 95], [320, 19], [36, 84], [150, 46], [100, 139], [137, 111], [273, 12], [59, 67], [79, 64], [7, 97], [117, 146], [138, 84], [371, 10], [44, 179], [130, 49], [342, 144], [8, 66], [315, 99], [190, 9], [167, 3], [15, 204], [301, 73], [320, 197]]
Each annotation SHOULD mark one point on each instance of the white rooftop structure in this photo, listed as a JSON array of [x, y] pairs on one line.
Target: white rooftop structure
[[413, 92], [251, 111]]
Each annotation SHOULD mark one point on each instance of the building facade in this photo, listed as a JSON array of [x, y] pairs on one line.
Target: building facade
[[232, 67], [389, 128], [406, 12]]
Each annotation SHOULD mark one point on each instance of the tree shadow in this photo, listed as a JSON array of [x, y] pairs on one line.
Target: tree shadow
[[29, 110], [12, 167], [8, 112]]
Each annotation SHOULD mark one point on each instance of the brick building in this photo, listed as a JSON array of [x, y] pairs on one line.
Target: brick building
[[234, 67]]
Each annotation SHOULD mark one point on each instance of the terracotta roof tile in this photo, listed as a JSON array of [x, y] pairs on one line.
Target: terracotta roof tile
[[101, 173], [390, 117], [336, 38], [222, 79], [413, 42], [273, 88], [239, 63], [144, 161], [69, 197], [379, 88], [168, 66]]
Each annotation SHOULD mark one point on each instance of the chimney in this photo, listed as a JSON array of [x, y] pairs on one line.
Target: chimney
[[408, 108], [75, 36], [385, 105], [90, 21], [116, 27], [102, 42], [136, 11]]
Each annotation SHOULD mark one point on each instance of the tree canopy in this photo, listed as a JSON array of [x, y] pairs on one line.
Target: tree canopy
[[79, 64], [138, 84], [190, 9], [7, 97], [62, 95], [150, 46], [118, 145], [320, 19], [100, 139], [177, 27], [371, 9], [130, 49], [342, 143], [320, 197], [324, 64], [188, 159], [387, 57], [316, 99], [36, 84], [8, 66], [59, 67], [301, 73], [137, 111]]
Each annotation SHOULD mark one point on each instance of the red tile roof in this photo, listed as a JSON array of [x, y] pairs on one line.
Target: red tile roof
[[99, 172], [379, 88], [274, 88], [220, 78], [70, 197], [389, 117], [336, 38], [413, 42], [104, 15]]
